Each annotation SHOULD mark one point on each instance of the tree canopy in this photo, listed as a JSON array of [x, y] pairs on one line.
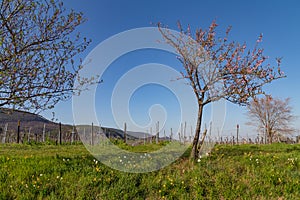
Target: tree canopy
[[272, 117], [217, 68], [38, 47]]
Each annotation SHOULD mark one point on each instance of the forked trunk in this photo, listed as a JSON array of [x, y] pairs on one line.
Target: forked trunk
[[195, 149]]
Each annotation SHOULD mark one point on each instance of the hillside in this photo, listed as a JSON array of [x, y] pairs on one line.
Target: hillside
[[34, 123], [29, 122], [8, 116]]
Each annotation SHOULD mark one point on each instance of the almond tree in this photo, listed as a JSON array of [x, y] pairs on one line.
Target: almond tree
[[38, 44], [271, 116], [217, 68]]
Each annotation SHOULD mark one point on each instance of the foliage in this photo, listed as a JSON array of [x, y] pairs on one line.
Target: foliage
[[218, 69], [271, 116], [38, 44], [231, 172]]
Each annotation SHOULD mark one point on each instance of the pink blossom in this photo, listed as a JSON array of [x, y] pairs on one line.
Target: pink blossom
[[249, 71]]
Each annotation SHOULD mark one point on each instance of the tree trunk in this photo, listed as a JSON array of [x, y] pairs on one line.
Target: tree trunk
[[270, 138], [195, 149]]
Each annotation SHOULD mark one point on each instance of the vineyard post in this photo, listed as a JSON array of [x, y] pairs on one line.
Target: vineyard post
[[157, 132], [18, 133], [125, 133], [73, 133], [5, 132], [28, 139], [184, 133], [180, 134], [150, 135], [237, 133], [191, 134], [44, 129], [60, 133], [92, 135]]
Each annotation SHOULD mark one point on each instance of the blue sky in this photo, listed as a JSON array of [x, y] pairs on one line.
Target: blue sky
[[277, 20]]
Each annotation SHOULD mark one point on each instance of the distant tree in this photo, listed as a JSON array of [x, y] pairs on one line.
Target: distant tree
[[218, 69], [38, 44], [271, 116]]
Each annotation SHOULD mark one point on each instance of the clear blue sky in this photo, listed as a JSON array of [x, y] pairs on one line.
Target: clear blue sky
[[278, 21]]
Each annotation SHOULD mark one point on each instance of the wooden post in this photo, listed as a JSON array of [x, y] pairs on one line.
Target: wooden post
[[5, 132], [92, 135], [28, 138], [73, 134], [150, 135], [59, 133], [237, 133], [210, 128], [184, 133], [44, 129], [125, 133], [18, 133], [157, 133], [191, 134], [181, 132], [100, 131], [84, 135]]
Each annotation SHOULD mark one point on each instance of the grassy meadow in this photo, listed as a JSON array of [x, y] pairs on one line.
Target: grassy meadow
[[69, 172]]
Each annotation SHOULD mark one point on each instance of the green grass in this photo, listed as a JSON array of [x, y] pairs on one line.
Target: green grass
[[70, 172]]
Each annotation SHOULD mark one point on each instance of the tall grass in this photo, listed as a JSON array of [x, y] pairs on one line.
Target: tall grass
[[230, 172]]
